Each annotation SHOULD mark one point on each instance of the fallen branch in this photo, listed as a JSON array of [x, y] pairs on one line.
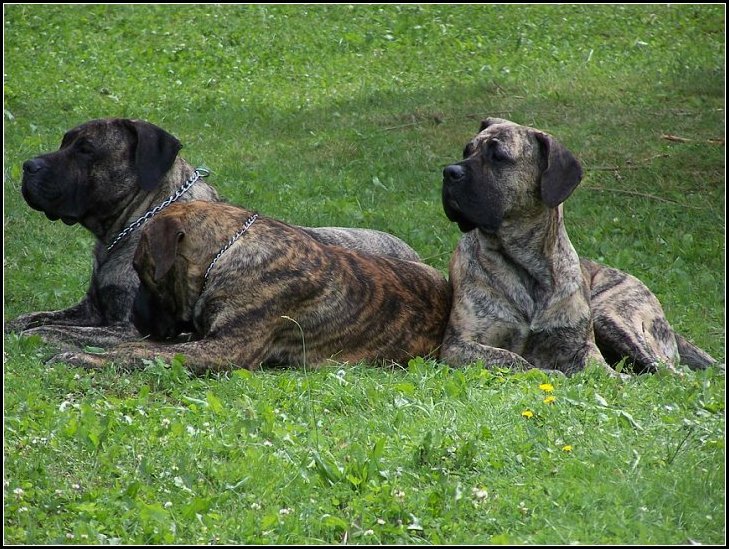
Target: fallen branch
[[401, 126], [609, 168], [676, 138], [630, 165], [644, 195], [669, 137]]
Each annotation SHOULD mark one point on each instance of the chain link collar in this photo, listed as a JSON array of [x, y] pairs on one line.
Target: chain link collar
[[197, 174], [236, 236]]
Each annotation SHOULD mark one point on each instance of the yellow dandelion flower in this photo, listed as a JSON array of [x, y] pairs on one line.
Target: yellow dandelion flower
[[527, 414], [549, 400], [567, 448], [547, 387]]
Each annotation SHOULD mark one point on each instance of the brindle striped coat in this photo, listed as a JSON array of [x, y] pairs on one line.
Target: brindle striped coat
[[522, 296], [276, 296], [107, 174]]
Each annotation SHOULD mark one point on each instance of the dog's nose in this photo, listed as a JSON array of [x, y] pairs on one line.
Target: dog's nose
[[454, 173], [34, 165]]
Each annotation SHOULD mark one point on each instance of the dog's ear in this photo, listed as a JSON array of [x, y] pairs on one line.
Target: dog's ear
[[562, 174], [154, 154], [490, 121], [161, 245]]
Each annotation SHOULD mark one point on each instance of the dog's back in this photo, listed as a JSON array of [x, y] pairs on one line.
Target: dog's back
[[278, 295]]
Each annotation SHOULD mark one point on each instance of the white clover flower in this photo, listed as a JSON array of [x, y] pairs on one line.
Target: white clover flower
[[479, 493]]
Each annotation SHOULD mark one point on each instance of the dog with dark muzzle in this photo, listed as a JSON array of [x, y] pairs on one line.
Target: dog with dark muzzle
[[111, 176], [521, 295]]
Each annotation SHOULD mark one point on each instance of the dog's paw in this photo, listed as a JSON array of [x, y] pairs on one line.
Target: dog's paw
[[78, 358], [20, 324]]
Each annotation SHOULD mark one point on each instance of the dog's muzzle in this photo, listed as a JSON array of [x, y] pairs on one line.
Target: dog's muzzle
[[454, 177], [41, 192], [31, 181], [463, 205]]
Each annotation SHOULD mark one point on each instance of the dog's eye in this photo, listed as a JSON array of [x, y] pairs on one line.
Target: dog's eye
[[468, 150], [85, 147], [495, 152], [68, 138]]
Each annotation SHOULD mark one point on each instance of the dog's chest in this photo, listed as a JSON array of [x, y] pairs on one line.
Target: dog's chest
[[519, 294]]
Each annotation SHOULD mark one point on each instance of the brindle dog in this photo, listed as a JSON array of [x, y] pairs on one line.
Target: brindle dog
[[111, 176], [630, 323], [272, 294], [522, 296]]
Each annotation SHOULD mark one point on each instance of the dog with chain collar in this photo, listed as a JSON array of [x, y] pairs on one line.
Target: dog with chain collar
[[271, 294], [112, 176]]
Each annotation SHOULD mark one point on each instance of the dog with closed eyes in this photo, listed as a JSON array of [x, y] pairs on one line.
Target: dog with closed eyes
[[258, 291], [522, 297]]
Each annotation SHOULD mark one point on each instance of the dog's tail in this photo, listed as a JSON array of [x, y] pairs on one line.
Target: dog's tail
[[692, 356]]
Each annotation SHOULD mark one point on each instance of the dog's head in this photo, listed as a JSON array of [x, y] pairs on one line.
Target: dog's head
[[175, 249], [163, 307], [98, 167], [508, 171]]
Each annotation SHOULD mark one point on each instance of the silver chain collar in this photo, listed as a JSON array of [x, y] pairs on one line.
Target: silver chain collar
[[236, 236], [197, 174]]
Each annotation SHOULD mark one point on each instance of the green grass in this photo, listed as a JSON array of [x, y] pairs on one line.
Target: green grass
[[423, 454], [346, 115]]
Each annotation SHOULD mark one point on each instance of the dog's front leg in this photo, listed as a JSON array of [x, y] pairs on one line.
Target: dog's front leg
[[81, 314], [205, 355], [80, 336], [458, 351]]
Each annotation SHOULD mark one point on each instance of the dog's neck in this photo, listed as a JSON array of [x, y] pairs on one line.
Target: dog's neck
[[537, 245], [226, 229], [109, 229], [243, 229]]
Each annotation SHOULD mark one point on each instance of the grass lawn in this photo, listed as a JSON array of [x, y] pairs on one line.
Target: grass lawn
[[346, 115]]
